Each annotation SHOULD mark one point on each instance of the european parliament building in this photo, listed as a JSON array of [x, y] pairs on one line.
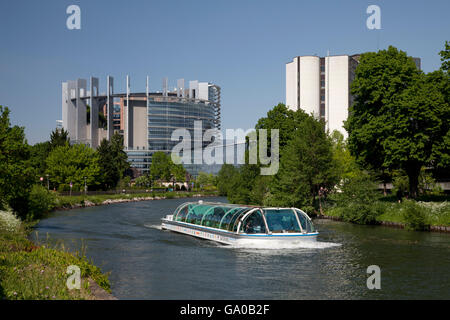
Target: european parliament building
[[145, 119]]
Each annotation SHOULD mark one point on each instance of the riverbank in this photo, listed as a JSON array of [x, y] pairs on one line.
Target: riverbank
[[73, 202], [420, 215], [31, 271]]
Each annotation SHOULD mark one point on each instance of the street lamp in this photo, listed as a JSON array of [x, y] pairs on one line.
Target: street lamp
[[85, 186]]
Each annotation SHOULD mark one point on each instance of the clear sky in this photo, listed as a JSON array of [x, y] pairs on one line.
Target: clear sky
[[241, 45]]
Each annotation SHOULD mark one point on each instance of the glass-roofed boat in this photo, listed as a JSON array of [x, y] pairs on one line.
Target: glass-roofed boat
[[240, 224]]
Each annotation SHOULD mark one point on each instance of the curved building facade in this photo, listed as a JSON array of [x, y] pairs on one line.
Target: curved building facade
[[146, 120]]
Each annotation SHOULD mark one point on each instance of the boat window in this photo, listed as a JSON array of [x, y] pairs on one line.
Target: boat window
[[305, 221], [182, 212], [281, 220], [212, 217], [196, 213], [232, 226], [225, 221], [177, 211], [254, 223]]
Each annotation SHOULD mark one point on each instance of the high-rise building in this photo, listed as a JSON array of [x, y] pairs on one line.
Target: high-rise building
[[321, 86]]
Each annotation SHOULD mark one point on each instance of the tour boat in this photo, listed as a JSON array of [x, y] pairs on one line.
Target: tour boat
[[241, 225]]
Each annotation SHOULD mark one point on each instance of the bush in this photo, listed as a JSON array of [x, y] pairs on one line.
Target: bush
[[40, 201], [415, 216], [359, 200]]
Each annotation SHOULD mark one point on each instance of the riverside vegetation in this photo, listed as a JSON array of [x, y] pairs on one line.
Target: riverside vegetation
[[30, 271], [399, 133], [38, 272]]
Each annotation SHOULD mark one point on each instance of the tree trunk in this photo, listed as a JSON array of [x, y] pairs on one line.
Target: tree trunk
[[384, 189], [413, 176]]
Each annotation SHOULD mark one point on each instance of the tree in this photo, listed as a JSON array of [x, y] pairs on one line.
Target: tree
[[345, 163], [205, 179], [160, 168], [306, 165], [283, 119], [16, 175], [38, 154], [243, 183], [67, 164], [399, 117], [417, 138], [58, 138], [177, 171], [109, 169], [119, 156], [225, 177], [445, 57]]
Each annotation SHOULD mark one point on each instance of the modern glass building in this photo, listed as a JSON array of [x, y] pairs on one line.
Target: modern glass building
[[164, 115], [145, 119]]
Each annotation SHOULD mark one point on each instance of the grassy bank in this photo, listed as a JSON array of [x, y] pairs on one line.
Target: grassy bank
[[415, 215], [38, 272], [67, 202]]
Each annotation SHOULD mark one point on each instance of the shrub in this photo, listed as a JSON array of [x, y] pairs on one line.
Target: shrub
[[359, 200], [414, 216], [40, 201]]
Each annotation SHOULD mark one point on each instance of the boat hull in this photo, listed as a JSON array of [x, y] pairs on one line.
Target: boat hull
[[242, 239]]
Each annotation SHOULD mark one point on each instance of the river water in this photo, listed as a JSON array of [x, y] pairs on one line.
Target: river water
[[147, 263]]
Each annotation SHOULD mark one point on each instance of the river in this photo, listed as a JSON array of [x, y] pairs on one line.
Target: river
[[147, 263]]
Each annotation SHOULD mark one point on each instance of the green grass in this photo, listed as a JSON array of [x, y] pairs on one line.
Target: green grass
[[69, 201], [436, 213], [38, 272]]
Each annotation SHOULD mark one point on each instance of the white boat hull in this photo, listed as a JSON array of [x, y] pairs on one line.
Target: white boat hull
[[241, 239]]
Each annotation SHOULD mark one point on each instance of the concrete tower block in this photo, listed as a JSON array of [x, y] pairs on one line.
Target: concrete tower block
[[180, 88], [110, 105], [94, 103], [193, 89], [81, 117], [128, 115]]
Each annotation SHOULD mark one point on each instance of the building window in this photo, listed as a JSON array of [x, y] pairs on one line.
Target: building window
[[322, 98], [322, 110]]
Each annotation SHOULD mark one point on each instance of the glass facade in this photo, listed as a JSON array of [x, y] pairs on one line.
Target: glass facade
[[168, 113], [250, 220]]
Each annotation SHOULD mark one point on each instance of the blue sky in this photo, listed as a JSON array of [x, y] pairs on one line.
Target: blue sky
[[240, 45]]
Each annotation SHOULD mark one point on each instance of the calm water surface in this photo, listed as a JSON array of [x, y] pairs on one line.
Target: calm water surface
[[148, 263]]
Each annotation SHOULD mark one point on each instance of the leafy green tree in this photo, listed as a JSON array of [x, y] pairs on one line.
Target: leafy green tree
[[358, 198], [120, 158], [224, 178], [109, 169], [445, 57], [160, 168], [243, 183], [306, 165], [345, 163], [283, 119], [67, 164], [178, 171], [38, 154], [205, 179], [144, 181], [399, 118], [16, 175]]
